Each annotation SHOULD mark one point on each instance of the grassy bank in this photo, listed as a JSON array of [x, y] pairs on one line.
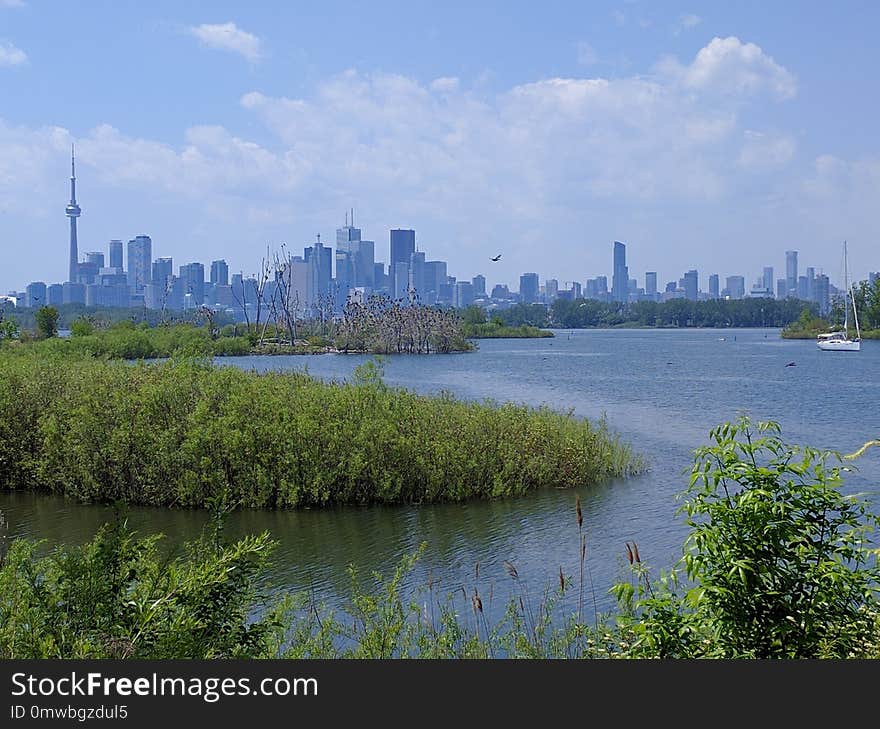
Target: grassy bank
[[183, 433], [777, 564], [493, 330]]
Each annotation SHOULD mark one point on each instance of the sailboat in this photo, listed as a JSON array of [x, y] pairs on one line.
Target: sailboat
[[839, 341]]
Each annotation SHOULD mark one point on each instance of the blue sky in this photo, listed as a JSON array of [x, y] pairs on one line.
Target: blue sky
[[705, 135]]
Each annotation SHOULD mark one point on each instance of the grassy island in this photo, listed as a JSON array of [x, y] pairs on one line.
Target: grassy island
[[183, 433]]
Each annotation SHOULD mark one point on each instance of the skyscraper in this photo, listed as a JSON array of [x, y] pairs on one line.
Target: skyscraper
[[403, 245], [219, 273], [620, 274], [417, 273], [116, 254], [73, 211], [768, 280], [651, 284], [791, 273], [140, 256], [193, 277], [347, 235], [691, 285], [714, 290], [528, 288]]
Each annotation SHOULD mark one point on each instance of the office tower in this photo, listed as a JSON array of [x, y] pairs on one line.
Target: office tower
[[320, 260], [163, 270], [347, 235], [791, 273], [620, 274], [736, 287], [602, 285], [399, 275], [116, 254], [140, 256], [592, 289], [781, 288], [55, 294], [714, 291], [651, 284], [479, 283], [219, 273], [364, 261], [345, 276], [822, 292], [811, 283], [528, 288], [551, 288], [193, 277], [96, 259], [73, 211], [87, 272], [691, 285], [380, 278], [73, 293], [35, 295], [767, 280], [435, 275], [403, 245], [803, 288], [463, 294], [500, 291], [417, 273]]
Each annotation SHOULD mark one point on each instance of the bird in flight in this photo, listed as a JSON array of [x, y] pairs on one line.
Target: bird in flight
[[790, 364], [496, 258]]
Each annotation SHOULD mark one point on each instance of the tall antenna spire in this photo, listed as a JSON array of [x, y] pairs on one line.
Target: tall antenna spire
[[73, 212]]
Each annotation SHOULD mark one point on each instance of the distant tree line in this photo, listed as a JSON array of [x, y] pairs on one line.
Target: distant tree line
[[587, 313]]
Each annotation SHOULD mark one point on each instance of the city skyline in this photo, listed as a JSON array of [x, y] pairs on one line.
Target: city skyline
[[703, 144]]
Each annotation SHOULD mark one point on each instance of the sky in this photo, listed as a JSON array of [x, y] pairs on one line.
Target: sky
[[704, 135]]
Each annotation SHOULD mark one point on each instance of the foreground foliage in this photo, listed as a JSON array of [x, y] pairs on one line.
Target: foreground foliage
[[777, 564]]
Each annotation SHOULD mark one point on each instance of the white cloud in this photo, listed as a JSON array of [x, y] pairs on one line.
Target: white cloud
[[729, 66], [689, 20], [445, 83], [229, 37], [10, 55], [586, 54], [11, 3], [762, 151]]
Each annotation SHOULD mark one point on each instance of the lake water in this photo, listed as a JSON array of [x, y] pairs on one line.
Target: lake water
[[662, 390]]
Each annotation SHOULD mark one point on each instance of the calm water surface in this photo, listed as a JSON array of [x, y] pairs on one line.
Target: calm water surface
[[662, 390]]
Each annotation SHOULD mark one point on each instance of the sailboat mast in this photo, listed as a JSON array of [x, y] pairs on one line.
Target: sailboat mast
[[845, 295]]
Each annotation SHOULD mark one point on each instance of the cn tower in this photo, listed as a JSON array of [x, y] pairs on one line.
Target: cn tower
[[73, 212]]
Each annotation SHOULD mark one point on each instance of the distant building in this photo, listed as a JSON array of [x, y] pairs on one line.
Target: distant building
[[791, 273], [651, 284], [735, 288], [219, 273], [714, 290], [479, 284], [140, 252], [551, 289], [55, 295], [463, 295], [73, 293], [781, 288], [691, 285], [193, 277], [767, 279], [620, 274], [35, 295], [822, 293], [96, 258], [403, 245], [116, 254], [417, 274], [528, 288]]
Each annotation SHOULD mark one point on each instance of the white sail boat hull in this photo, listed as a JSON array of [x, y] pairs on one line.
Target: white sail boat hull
[[839, 345]]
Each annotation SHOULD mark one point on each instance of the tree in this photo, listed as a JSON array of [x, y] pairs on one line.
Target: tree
[[47, 321], [779, 561]]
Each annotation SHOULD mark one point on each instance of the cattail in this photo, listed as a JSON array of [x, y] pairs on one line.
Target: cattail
[[583, 548], [629, 553], [477, 571], [511, 570], [478, 603], [561, 579], [522, 606], [636, 553], [577, 507]]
